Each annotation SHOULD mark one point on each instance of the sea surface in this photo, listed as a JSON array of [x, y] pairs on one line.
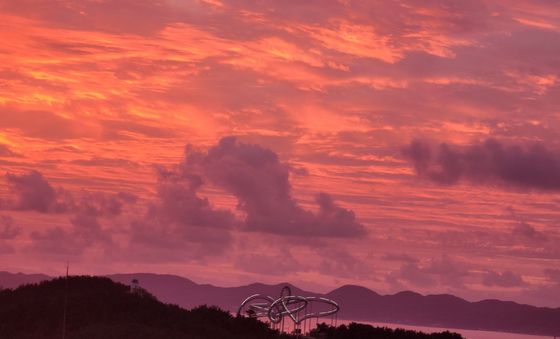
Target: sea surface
[[468, 334]]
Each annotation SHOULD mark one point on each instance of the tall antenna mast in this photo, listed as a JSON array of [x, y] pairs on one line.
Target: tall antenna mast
[[65, 303]]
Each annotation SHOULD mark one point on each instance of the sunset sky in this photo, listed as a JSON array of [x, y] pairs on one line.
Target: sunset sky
[[398, 145]]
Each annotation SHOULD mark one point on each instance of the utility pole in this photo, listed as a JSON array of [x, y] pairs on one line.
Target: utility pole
[[65, 303]]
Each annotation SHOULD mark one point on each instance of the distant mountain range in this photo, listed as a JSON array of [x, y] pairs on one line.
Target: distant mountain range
[[13, 280], [357, 303]]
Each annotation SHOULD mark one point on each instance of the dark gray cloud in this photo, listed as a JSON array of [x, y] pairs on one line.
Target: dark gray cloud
[[32, 192], [88, 229], [444, 271], [340, 261], [154, 240], [503, 279], [179, 203], [491, 162], [400, 257], [97, 204], [8, 230], [553, 275], [85, 233], [260, 182], [525, 231], [180, 224]]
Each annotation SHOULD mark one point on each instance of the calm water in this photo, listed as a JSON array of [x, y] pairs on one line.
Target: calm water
[[468, 334]]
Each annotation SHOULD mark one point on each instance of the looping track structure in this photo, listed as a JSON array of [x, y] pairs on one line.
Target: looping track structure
[[295, 307]]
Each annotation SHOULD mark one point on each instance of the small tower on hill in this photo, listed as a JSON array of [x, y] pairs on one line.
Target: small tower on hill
[[134, 286]]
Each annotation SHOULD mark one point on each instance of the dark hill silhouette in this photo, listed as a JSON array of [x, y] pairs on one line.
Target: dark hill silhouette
[[360, 303], [101, 308], [97, 307]]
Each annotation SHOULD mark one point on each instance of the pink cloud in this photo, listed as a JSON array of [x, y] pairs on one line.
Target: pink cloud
[[84, 234], [178, 202], [180, 223], [527, 232], [444, 271], [95, 93], [5, 151], [553, 275], [492, 162], [8, 230], [41, 124], [503, 279], [260, 182], [33, 192], [279, 264]]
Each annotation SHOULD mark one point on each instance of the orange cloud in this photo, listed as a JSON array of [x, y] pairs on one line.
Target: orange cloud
[[97, 95]]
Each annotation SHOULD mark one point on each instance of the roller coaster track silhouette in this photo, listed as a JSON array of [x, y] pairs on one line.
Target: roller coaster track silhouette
[[295, 307]]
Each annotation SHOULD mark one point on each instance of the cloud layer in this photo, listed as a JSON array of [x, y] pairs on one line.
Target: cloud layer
[[491, 162], [321, 94], [260, 182]]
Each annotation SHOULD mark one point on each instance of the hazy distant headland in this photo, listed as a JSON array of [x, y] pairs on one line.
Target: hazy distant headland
[[357, 303]]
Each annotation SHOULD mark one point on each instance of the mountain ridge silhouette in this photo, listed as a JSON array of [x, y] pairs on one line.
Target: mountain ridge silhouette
[[362, 304]]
